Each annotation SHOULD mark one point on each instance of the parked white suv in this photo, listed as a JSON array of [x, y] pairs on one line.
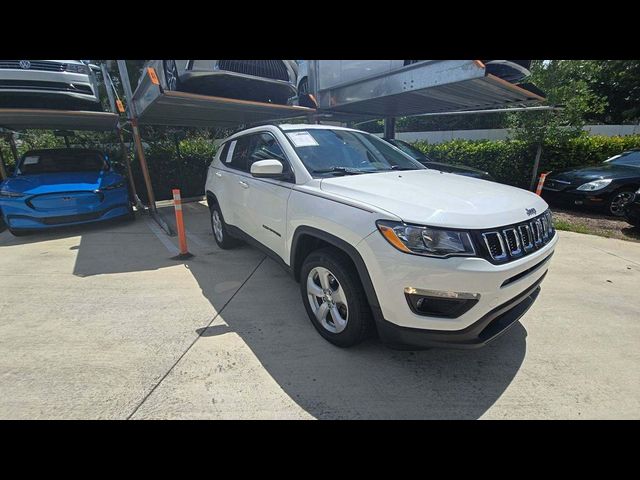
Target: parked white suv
[[378, 241]]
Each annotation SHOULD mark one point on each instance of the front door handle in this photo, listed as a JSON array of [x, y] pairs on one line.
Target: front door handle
[[218, 174], [243, 184]]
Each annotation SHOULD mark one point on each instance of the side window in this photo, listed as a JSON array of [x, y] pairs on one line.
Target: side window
[[224, 152], [264, 146], [236, 156]]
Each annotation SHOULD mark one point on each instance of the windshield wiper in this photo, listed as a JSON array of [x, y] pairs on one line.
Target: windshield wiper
[[340, 170], [397, 167]]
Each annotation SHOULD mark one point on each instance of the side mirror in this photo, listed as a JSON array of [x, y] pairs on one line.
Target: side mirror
[[267, 168]]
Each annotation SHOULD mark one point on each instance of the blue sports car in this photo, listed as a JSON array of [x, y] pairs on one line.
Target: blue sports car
[[66, 186]]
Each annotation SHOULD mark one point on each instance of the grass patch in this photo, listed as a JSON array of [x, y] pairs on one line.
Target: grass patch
[[573, 227]]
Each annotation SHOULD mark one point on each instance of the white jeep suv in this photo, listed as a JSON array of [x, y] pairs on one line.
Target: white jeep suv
[[378, 241]]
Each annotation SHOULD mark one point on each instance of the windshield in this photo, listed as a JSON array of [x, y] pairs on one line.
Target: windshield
[[328, 151], [62, 161], [410, 150], [627, 158]]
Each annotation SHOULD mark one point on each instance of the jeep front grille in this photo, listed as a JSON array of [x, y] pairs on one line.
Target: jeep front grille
[[515, 241], [273, 69]]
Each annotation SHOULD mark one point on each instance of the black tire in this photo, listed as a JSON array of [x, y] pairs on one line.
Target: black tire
[[359, 322], [614, 207], [633, 221], [222, 237], [170, 68], [304, 98]]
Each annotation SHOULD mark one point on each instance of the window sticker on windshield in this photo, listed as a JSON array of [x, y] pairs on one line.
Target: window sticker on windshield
[[232, 147], [31, 160], [302, 139]]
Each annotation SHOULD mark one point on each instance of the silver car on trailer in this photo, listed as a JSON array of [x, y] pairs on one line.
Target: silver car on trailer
[[57, 84], [271, 81]]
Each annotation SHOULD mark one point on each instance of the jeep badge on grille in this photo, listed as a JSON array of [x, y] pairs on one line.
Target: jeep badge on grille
[[530, 211]]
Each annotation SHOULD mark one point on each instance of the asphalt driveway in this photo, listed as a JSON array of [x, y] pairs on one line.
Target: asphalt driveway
[[100, 322]]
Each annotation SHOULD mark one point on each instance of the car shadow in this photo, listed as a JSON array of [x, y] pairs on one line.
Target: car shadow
[[369, 381], [262, 305]]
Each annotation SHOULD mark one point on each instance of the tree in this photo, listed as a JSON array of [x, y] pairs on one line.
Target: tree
[[569, 83], [618, 81]]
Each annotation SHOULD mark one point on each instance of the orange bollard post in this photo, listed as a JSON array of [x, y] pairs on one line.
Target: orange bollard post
[[177, 203], [543, 176]]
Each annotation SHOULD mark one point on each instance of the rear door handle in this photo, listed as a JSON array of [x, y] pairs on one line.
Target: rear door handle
[[243, 184], [218, 174]]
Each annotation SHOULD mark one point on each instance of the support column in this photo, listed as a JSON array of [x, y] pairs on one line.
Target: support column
[[390, 127], [125, 154], [126, 83], [3, 169], [14, 149], [143, 164]]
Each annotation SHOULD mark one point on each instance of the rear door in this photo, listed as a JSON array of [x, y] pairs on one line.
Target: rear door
[[234, 199]]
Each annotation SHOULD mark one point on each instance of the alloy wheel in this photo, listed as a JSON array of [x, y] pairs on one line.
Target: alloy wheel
[[217, 225], [619, 201], [171, 74], [327, 299]]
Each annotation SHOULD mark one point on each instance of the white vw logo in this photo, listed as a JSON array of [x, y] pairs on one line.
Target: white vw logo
[[25, 64]]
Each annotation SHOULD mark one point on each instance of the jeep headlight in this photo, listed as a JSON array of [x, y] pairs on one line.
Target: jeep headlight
[[595, 185], [428, 241]]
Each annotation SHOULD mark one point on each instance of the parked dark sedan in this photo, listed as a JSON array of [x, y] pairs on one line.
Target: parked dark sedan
[[416, 154], [632, 211], [609, 187]]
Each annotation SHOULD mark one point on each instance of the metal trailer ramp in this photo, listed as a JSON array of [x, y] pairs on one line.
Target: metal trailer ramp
[[24, 118], [427, 86], [154, 106]]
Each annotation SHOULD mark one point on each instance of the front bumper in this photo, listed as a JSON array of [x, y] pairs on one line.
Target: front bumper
[[42, 89], [499, 288], [20, 214], [227, 84], [572, 197], [478, 334]]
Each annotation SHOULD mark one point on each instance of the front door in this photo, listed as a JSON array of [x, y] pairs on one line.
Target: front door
[[268, 197]]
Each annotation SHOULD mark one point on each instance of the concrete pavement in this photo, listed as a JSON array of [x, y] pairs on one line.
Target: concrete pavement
[[99, 322]]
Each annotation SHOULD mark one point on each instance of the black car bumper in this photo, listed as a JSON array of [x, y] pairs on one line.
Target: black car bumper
[[488, 328], [632, 212], [571, 198]]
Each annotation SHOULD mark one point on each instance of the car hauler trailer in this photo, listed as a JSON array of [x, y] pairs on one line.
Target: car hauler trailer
[[392, 88]]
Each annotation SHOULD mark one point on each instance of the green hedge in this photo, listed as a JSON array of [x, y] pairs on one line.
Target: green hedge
[[168, 170], [511, 161]]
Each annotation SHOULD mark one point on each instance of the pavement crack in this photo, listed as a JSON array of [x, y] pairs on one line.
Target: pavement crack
[[618, 256], [202, 331]]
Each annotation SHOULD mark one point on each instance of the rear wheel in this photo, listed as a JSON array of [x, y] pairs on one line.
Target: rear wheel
[[334, 298], [171, 77], [619, 200], [220, 230]]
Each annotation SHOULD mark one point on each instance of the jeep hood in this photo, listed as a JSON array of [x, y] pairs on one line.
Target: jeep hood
[[438, 199]]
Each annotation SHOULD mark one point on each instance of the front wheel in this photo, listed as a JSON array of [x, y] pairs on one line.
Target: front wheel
[[619, 200], [334, 298]]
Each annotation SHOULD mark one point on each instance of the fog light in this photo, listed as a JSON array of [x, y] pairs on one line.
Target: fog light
[[435, 303]]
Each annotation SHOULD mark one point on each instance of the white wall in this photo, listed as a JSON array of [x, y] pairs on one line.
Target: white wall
[[502, 133]]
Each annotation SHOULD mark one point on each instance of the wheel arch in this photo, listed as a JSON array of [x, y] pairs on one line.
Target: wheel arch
[[307, 239], [211, 198]]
